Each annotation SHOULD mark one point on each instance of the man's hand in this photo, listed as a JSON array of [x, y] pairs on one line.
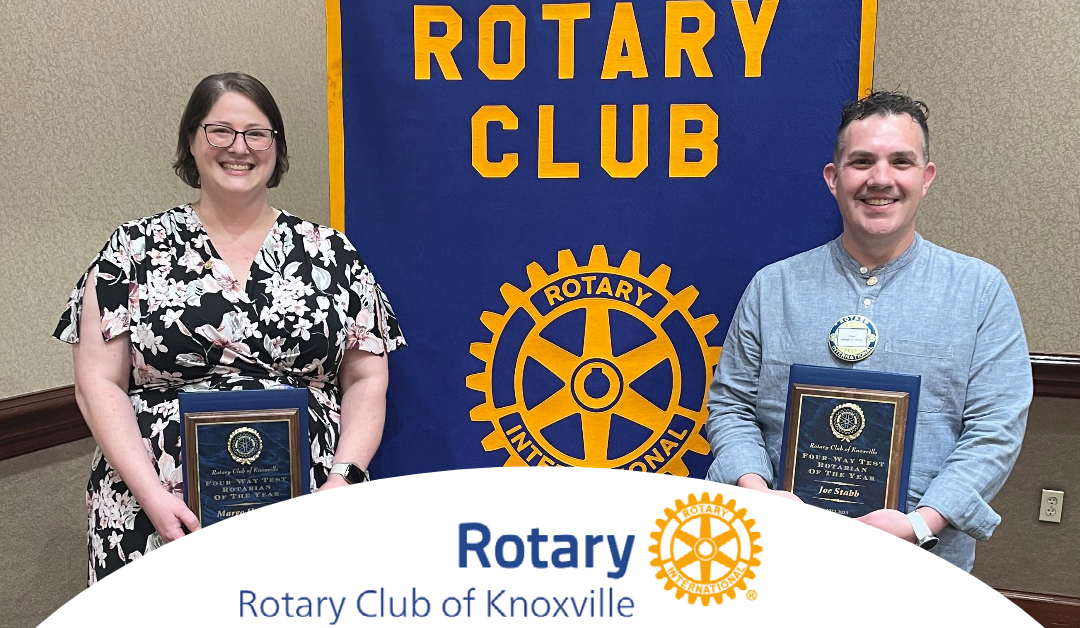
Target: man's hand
[[896, 523], [892, 521], [755, 482]]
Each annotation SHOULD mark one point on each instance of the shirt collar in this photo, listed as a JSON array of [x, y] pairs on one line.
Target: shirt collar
[[846, 260]]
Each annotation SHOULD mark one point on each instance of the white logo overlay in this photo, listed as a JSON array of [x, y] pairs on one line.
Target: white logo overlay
[[525, 545]]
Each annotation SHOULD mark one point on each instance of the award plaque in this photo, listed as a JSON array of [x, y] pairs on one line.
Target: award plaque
[[243, 449], [848, 438]]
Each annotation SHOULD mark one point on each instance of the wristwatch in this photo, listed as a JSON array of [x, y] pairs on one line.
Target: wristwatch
[[352, 473], [924, 538]]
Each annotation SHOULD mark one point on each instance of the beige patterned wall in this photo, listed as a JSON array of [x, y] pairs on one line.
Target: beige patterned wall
[[91, 94], [1002, 80], [90, 98], [89, 103]]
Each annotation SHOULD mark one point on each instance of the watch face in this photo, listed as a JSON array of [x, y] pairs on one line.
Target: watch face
[[928, 543], [354, 475]]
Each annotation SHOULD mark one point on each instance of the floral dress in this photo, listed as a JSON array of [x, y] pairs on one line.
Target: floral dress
[[309, 298]]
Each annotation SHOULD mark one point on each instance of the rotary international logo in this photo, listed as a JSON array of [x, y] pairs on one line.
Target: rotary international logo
[[595, 366], [847, 421], [245, 445], [705, 549]]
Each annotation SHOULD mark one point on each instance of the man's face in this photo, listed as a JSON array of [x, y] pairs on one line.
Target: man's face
[[880, 178]]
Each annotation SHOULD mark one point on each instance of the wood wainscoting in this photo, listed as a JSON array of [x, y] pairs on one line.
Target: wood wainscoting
[[44, 419], [40, 420], [1052, 611]]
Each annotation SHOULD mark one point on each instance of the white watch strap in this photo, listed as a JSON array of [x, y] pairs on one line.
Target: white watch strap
[[922, 531]]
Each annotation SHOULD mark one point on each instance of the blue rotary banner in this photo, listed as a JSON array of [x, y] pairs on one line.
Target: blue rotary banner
[[565, 201]]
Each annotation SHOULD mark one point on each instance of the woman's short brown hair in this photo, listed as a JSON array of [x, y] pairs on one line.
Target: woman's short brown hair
[[202, 99]]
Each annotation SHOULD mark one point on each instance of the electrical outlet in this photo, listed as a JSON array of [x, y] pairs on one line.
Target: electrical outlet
[[1050, 508]]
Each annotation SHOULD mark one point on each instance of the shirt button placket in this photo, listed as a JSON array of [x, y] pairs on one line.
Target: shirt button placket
[[870, 289], [870, 294]]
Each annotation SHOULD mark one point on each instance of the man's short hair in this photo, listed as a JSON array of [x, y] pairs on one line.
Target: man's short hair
[[882, 103]]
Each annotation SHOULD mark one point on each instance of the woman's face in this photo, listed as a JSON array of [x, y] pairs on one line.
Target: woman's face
[[235, 169]]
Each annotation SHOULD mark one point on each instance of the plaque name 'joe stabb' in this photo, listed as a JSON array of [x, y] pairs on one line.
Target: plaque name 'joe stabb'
[[848, 449]]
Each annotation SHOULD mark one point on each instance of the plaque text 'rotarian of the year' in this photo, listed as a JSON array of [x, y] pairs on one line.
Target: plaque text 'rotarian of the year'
[[241, 488], [843, 467]]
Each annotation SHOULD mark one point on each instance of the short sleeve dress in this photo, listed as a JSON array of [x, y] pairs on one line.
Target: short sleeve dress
[[308, 298]]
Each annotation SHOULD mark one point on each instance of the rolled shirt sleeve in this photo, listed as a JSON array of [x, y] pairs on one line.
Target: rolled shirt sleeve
[[734, 434], [998, 394]]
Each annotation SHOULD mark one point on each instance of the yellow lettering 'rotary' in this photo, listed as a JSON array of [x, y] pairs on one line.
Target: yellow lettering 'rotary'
[[425, 46], [486, 54], [754, 33], [677, 41], [624, 34], [566, 15]]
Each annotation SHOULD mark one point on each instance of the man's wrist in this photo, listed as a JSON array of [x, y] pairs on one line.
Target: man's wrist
[[752, 481], [933, 519]]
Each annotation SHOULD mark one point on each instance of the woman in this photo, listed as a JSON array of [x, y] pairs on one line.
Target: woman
[[223, 293]]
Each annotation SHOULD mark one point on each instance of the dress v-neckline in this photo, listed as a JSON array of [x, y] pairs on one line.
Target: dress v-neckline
[[227, 270]]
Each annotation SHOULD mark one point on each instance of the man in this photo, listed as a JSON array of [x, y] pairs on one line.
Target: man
[[950, 318]]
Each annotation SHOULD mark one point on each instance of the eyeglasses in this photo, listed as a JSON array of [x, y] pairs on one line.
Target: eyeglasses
[[221, 136]]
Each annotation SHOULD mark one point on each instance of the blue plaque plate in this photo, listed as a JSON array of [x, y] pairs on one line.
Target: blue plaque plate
[[848, 438], [243, 449]]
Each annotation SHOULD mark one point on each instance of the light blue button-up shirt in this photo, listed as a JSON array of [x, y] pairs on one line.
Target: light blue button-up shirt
[[950, 318]]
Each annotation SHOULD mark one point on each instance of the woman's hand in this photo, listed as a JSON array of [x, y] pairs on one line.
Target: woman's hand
[[169, 514], [336, 480]]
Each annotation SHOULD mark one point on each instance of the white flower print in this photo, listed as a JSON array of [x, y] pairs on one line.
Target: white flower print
[[312, 237], [302, 329], [158, 429], [147, 374], [138, 249], [158, 231], [191, 261], [97, 550], [273, 345], [159, 257], [190, 360], [229, 336], [172, 476], [171, 317], [114, 322], [143, 336], [139, 403], [222, 280], [286, 299]]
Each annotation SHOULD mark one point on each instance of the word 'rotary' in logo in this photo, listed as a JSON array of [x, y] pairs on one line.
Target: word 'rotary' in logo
[[847, 421], [595, 366], [245, 445], [705, 549]]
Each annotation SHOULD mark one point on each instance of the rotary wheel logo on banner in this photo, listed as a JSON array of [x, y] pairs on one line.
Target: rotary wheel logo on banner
[[595, 366]]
